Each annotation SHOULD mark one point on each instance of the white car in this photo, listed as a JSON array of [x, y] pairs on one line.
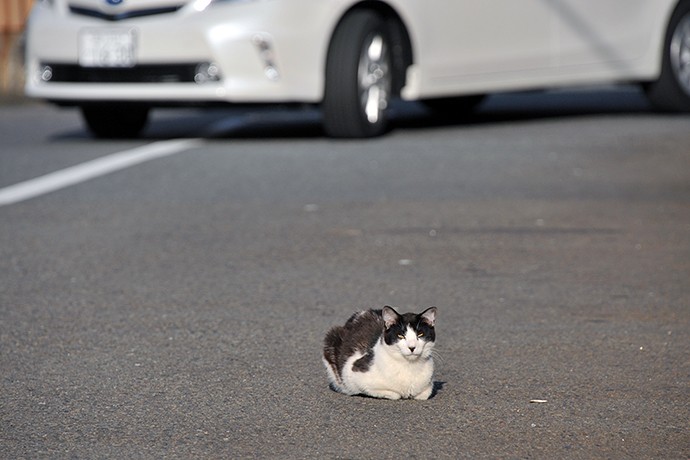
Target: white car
[[117, 59]]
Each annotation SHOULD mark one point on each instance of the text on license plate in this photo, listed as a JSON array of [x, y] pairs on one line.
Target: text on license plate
[[108, 47]]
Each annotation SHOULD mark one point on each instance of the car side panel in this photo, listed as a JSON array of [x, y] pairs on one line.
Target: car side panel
[[585, 42], [460, 42], [610, 38]]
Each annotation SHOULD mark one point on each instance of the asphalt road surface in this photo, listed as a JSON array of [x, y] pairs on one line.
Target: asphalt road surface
[[175, 306]]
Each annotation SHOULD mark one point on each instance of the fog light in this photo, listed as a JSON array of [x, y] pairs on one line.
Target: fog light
[[207, 72], [46, 73], [265, 49]]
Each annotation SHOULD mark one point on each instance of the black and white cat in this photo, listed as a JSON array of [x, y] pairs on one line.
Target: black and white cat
[[383, 354]]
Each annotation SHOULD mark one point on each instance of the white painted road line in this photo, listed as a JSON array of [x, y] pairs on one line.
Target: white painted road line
[[91, 169]]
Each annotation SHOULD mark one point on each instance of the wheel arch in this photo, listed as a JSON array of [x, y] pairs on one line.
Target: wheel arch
[[403, 53]]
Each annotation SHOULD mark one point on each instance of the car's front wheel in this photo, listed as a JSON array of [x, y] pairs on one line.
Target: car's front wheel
[[358, 77], [115, 121], [671, 92]]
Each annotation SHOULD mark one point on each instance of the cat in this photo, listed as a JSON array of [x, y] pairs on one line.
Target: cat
[[382, 354]]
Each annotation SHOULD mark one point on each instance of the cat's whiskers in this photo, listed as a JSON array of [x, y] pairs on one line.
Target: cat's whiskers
[[436, 355]]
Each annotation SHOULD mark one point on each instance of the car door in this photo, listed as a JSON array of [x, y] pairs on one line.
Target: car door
[[602, 35], [482, 43]]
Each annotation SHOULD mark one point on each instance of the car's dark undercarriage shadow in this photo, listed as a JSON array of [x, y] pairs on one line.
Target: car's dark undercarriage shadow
[[304, 122]]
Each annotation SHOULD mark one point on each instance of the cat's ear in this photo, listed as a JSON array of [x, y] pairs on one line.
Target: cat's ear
[[390, 316], [429, 316]]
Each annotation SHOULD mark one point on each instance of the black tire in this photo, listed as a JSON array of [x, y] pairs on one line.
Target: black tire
[[455, 108], [671, 92], [114, 121], [358, 77]]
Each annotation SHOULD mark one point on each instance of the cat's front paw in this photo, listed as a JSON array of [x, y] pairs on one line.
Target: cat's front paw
[[385, 394], [425, 394]]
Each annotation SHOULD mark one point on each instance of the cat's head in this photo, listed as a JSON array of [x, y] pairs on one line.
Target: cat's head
[[412, 334]]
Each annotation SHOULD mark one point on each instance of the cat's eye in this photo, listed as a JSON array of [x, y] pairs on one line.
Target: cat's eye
[[400, 336], [421, 334]]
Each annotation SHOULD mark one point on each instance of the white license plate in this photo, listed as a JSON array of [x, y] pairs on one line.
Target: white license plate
[[107, 47]]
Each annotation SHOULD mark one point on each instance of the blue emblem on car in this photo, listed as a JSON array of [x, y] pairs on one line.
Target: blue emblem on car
[[113, 2]]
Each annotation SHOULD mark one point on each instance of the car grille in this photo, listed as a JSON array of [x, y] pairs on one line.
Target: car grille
[[125, 14], [156, 73]]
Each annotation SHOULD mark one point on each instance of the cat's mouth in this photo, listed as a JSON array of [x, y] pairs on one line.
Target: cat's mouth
[[412, 356]]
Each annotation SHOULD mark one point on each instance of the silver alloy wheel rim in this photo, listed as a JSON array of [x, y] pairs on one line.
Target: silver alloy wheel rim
[[680, 53], [374, 77]]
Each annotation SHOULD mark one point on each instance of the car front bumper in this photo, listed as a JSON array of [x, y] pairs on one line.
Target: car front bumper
[[261, 52]]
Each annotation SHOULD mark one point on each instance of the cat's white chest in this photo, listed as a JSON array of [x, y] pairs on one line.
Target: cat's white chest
[[390, 375]]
